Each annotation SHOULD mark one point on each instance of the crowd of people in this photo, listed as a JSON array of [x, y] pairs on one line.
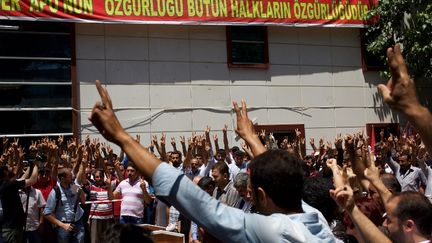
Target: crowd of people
[[351, 189]]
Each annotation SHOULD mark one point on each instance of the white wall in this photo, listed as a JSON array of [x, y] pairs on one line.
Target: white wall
[[175, 79]]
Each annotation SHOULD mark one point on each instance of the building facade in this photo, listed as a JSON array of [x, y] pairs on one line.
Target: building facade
[[178, 78]]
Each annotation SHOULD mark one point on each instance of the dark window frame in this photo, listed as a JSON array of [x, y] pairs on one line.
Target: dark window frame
[[264, 65], [49, 28], [282, 128], [378, 126], [366, 66]]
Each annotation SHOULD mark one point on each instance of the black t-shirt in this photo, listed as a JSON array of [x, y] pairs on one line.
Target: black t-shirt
[[11, 202]]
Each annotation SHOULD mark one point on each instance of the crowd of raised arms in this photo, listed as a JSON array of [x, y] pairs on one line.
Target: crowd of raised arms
[[348, 189]]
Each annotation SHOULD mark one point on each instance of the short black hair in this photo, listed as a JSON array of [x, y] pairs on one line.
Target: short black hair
[[222, 167], [316, 194], [62, 172], [415, 206], [234, 149], [280, 175], [206, 182], [177, 152], [390, 181], [221, 151], [239, 153], [133, 165]]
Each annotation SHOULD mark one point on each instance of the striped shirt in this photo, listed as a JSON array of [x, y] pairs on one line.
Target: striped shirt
[[100, 210], [133, 198]]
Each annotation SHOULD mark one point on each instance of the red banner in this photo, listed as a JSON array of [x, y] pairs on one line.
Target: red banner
[[259, 12]]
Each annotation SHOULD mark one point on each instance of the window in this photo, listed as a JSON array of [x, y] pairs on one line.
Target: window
[[280, 132], [371, 62], [388, 128], [247, 46], [36, 79]]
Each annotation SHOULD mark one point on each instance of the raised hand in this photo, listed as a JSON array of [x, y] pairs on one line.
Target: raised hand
[[225, 128], [372, 173], [338, 141], [298, 133], [349, 141], [72, 145], [33, 147], [321, 143], [271, 137], [142, 184], [312, 142], [87, 140], [104, 119], [332, 164], [344, 197], [21, 153], [263, 134], [60, 140], [154, 140], [15, 143], [245, 128], [399, 92], [5, 141], [328, 146]]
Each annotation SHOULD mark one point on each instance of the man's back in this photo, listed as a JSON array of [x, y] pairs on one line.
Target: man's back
[[233, 225], [11, 203]]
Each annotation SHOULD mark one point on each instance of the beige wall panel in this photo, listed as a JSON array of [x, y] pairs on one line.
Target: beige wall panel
[[126, 48], [127, 72]]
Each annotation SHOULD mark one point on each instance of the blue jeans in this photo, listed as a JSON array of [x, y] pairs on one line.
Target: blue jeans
[[130, 220], [75, 236]]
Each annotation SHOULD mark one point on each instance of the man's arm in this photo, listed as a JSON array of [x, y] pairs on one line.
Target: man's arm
[[183, 144], [164, 156], [50, 214], [216, 142], [33, 178], [147, 198], [117, 170], [173, 144], [117, 191], [226, 145], [371, 173], [246, 130], [400, 94], [394, 166], [367, 230]]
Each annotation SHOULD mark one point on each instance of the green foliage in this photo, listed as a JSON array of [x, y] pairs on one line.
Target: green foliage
[[408, 22]]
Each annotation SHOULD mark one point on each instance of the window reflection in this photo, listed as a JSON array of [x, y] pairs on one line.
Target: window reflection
[[28, 122], [35, 70], [36, 52], [35, 45], [35, 96]]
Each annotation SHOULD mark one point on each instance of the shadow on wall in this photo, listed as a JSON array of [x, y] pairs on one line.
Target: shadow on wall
[[424, 94], [383, 111]]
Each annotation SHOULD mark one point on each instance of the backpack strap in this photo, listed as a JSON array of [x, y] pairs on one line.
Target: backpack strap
[[57, 196]]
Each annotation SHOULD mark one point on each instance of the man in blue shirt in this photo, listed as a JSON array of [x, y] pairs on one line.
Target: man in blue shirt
[[276, 185], [64, 212]]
